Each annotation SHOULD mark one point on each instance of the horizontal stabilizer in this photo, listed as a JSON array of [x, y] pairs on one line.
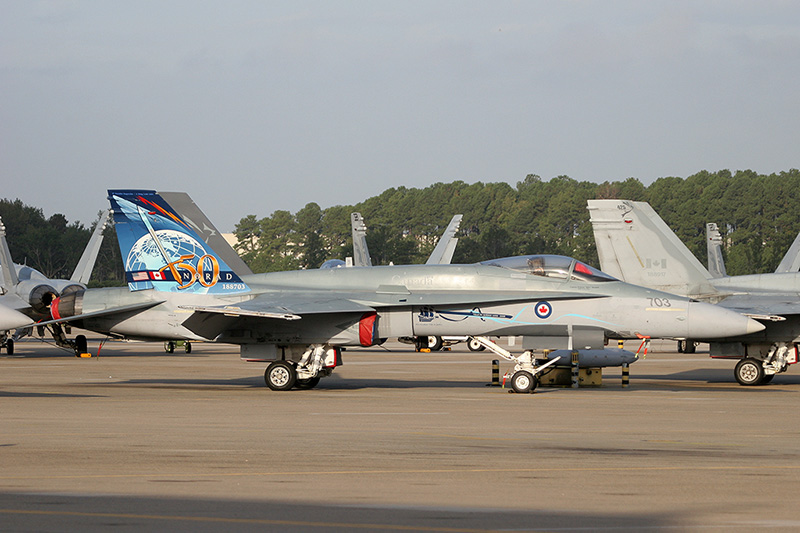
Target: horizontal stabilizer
[[141, 306]]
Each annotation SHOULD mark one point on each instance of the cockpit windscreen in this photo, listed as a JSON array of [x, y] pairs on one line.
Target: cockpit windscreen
[[551, 266]]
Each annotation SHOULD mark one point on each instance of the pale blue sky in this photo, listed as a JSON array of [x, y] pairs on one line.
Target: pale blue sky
[[257, 106]]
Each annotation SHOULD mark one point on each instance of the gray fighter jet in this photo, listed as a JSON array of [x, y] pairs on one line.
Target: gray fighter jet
[[634, 244], [28, 292], [442, 254], [299, 321], [716, 264]]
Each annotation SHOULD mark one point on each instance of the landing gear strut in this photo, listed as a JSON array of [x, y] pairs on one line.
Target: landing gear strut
[[315, 362], [525, 374]]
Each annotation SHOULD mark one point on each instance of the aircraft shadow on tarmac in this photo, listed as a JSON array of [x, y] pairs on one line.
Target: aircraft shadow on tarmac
[[327, 384], [8, 394], [714, 376], [88, 513]]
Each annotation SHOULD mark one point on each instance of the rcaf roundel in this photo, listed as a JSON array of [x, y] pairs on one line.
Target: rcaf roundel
[[543, 310]]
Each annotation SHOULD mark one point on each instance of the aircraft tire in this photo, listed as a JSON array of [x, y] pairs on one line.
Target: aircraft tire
[[169, 347], [767, 378], [523, 382], [434, 343], [307, 383], [80, 344], [749, 372], [475, 346], [10, 347], [690, 346], [187, 347], [280, 376]]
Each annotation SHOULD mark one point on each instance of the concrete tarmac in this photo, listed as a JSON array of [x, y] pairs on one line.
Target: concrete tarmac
[[395, 441]]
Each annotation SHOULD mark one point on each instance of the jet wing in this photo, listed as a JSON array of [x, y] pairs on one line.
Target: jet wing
[[286, 306], [763, 306], [294, 305]]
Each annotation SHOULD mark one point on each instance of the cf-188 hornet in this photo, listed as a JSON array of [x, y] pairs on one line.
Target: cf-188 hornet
[[26, 292], [179, 288], [635, 244]]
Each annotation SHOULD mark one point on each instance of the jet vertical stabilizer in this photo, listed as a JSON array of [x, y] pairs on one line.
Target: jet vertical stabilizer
[[83, 271], [635, 245], [716, 265], [161, 251], [183, 204], [446, 247], [361, 256], [9, 277], [791, 261]]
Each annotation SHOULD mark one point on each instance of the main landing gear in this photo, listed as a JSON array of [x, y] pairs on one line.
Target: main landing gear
[[751, 371], [170, 346], [316, 362], [8, 344]]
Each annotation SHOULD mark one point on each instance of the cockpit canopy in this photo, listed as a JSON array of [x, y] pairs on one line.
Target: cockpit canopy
[[551, 266]]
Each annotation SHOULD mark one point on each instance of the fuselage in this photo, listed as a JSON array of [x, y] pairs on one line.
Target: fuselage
[[423, 300]]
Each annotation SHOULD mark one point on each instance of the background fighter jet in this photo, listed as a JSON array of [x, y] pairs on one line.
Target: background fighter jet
[[716, 264], [29, 292], [634, 244], [180, 289], [441, 255]]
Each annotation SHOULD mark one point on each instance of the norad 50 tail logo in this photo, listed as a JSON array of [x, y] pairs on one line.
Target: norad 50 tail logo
[[190, 265], [161, 252]]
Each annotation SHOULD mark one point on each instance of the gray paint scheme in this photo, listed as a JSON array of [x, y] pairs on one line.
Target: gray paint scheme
[[446, 247], [791, 261], [634, 244], [408, 300], [361, 256], [716, 264], [305, 316]]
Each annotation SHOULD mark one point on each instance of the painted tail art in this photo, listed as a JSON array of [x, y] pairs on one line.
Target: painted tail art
[[162, 252]]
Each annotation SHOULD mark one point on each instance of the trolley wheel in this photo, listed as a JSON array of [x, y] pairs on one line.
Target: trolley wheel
[[523, 381], [475, 346]]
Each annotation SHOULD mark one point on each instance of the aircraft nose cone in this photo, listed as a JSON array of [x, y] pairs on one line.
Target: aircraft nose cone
[[708, 321]]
